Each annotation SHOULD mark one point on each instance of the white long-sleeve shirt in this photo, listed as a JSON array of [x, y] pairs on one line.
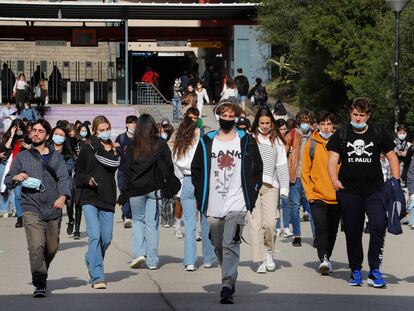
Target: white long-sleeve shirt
[[227, 93], [201, 96]]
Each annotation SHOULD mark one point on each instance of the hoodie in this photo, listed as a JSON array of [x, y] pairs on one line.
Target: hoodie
[[314, 173]]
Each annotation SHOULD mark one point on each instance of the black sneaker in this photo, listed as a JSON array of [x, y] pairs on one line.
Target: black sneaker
[[76, 235], [297, 241], [19, 223], [226, 296], [40, 292], [69, 230]]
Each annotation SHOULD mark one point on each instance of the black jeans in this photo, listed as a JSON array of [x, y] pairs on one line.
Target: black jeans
[[354, 208], [43, 242], [326, 218]]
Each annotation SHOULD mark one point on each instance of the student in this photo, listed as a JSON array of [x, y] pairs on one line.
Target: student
[[185, 144], [319, 192], [42, 173], [28, 113], [226, 172], [125, 140], [242, 87], [262, 221], [95, 177], [148, 165], [358, 185], [202, 96]]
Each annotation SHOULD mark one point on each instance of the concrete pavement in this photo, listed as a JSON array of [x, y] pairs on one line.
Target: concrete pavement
[[295, 285]]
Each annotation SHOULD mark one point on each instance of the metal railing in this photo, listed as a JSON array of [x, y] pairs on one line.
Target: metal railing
[[149, 94]]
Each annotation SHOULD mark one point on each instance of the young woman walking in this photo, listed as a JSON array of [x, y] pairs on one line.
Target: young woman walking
[[95, 177]]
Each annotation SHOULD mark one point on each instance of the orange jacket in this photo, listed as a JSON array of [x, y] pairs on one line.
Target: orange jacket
[[314, 175]]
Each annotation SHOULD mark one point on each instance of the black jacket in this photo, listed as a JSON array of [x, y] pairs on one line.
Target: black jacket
[[252, 169], [94, 161], [242, 85], [141, 176]]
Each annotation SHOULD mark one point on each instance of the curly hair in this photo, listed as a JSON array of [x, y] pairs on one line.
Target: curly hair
[[229, 104]]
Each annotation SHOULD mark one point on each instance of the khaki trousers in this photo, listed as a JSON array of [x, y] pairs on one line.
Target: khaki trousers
[[262, 222]]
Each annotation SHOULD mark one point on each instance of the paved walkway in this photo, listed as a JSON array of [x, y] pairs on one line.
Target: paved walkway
[[295, 285]]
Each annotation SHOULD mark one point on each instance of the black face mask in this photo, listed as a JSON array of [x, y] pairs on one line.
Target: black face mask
[[226, 125]]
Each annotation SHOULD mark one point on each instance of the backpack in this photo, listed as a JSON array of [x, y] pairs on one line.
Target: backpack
[[260, 94]]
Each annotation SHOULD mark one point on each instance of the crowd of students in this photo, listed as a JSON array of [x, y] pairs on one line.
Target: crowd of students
[[258, 174]]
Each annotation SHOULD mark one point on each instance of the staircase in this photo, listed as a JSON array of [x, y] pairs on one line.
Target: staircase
[[115, 113]]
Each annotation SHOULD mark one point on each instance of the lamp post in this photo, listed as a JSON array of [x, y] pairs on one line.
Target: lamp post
[[397, 6]]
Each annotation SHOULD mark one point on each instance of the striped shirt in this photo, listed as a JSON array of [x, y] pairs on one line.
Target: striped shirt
[[275, 165]]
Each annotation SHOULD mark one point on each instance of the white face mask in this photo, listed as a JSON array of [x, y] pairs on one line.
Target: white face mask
[[401, 136], [264, 132], [131, 131], [164, 135]]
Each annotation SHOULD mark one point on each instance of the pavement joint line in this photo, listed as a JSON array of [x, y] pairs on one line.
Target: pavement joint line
[[163, 297]]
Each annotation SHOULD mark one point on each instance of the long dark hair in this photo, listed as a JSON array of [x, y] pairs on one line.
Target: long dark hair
[[265, 112], [184, 137], [67, 151], [20, 124], [146, 137]]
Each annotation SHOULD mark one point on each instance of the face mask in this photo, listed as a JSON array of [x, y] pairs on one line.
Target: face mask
[[242, 129], [83, 133], [305, 127], [226, 125], [199, 123], [164, 135], [19, 133], [359, 126], [325, 136], [33, 183], [265, 132], [58, 140], [401, 136], [131, 131], [105, 136]]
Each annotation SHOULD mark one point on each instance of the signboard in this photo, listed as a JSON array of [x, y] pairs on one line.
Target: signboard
[[207, 44], [171, 43]]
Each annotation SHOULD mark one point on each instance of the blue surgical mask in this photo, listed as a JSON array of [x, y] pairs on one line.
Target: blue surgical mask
[[58, 140], [325, 136], [305, 127], [105, 136], [83, 134], [164, 135], [359, 126], [33, 183]]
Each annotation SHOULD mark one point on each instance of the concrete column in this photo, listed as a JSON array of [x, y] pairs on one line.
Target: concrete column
[[91, 93], [68, 93], [1, 88], [114, 92], [126, 64]]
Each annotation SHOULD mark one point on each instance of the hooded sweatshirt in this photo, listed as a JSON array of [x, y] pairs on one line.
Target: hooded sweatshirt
[[314, 173]]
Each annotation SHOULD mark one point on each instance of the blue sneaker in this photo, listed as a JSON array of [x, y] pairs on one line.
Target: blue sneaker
[[375, 279], [356, 278]]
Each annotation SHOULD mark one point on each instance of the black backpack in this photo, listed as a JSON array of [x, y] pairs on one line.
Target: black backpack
[[260, 94]]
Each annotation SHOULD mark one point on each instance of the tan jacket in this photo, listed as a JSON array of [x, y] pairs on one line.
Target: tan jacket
[[293, 149]]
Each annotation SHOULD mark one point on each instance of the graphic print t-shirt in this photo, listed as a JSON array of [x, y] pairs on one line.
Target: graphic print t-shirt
[[226, 193], [361, 171]]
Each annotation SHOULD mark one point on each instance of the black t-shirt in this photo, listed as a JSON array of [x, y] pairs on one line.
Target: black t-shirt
[[360, 172]]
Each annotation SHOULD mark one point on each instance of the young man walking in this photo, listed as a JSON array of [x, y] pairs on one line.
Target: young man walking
[[359, 185], [319, 191], [124, 140], [45, 182], [242, 87], [227, 176]]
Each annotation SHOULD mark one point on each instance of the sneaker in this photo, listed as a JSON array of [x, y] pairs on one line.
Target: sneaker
[[19, 223], [99, 285], [412, 227], [190, 268], [262, 268], [5, 215], [178, 233], [137, 262], [297, 241], [375, 279], [356, 278], [166, 225], [39, 292], [76, 235], [69, 229], [153, 267], [306, 216], [226, 296], [198, 237], [127, 223], [325, 267], [210, 264], [287, 233], [269, 262], [278, 232]]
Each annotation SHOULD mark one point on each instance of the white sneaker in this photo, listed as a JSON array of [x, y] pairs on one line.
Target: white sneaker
[[153, 267], [198, 237], [325, 267], [137, 262], [279, 232], [178, 233], [287, 233], [269, 262], [262, 268], [412, 227], [190, 268], [5, 215], [127, 223]]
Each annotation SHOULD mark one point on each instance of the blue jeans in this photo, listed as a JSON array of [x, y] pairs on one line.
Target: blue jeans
[[189, 204], [4, 199], [145, 220], [18, 200], [295, 194], [99, 225], [176, 102], [126, 208]]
